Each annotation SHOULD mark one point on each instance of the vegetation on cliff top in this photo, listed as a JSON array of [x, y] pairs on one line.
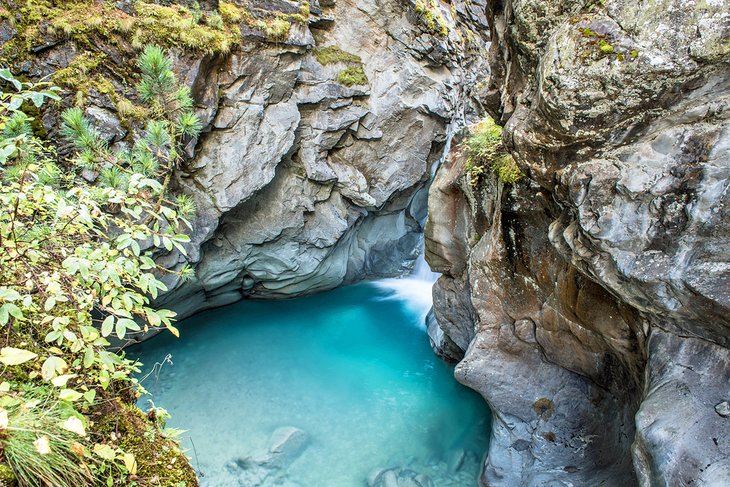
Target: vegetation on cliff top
[[76, 267], [40, 23], [486, 151], [429, 12]]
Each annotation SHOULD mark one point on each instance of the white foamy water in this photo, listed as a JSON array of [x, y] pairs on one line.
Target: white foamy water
[[413, 290]]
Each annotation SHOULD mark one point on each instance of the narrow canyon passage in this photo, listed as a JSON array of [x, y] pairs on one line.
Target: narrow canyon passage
[[325, 391]]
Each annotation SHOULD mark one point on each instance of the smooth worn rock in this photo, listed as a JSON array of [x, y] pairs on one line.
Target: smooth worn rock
[[286, 445], [591, 298], [302, 183]]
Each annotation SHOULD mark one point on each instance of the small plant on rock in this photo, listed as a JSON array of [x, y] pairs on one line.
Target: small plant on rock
[[485, 149]]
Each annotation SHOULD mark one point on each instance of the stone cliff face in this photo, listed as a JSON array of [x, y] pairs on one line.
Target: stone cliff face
[[304, 183], [589, 302], [319, 138]]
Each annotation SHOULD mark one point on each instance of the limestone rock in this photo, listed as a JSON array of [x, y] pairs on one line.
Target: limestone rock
[[303, 184], [591, 299]]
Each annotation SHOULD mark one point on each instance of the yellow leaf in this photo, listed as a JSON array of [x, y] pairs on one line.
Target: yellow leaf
[[61, 380], [3, 419], [78, 449], [15, 356], [74, 425], [130, 463]]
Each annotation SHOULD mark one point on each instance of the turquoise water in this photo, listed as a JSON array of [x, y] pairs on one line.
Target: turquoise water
[[351, 368]]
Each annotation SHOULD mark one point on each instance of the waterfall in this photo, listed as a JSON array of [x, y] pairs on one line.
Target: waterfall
[[422, 272], [414, 290]]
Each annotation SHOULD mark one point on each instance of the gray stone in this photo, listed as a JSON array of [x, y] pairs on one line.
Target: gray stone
[[287, 444], [723, 409], [591, 299], [303, 184]]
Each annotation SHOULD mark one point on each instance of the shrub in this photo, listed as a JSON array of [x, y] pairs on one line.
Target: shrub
[[76, 266]]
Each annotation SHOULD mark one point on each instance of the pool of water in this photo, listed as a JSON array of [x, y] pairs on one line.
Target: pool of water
[[330, 390]]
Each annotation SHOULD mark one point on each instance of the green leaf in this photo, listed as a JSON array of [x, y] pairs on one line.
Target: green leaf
[[61, 380], [69, 395], [107, 326], [120, 330], [15, 356], [8, 76], [37, 98], [88, 357], [90, 395], [15, 103], [7, 294], [52, 367], [13, 310], [105, 452], [53, 336]]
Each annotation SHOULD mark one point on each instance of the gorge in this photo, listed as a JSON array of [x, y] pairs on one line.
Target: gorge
[[584, 294]]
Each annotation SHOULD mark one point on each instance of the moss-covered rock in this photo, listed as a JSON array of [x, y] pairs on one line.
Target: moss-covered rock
[[352, 76], [7, 477], [160, 461]]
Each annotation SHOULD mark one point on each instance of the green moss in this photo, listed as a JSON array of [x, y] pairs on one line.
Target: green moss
[[506, 169], [485, 150], [230, 12], [159, 459], [78, 73], [87, 21], [333, 54], [588, 33], [7, 477], [354, 75], [430, 15], [176, 26], [599, 45], [276, 29], [605, 47]]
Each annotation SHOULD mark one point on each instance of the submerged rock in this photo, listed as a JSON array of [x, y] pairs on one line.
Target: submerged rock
[[286, 445], [397, 477], [269, 468]]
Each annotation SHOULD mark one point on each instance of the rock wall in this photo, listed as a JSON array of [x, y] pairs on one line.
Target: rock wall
[[589, 302], [318, 146], [303, 183]]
